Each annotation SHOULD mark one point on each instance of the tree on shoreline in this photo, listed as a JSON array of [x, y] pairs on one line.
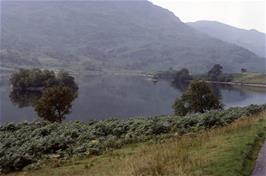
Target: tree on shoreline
[[182, 76], [198, 98], [50, 93], [37, 79], [55, 103], [215, 72]]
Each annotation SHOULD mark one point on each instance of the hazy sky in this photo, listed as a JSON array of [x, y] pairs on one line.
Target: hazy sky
[[247, 14]]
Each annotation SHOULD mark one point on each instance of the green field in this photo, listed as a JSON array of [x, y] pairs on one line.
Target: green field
[[229, 150], [252, 78]]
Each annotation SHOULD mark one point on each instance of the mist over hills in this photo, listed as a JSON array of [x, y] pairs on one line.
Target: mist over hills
[[251, 39], [132, 35]]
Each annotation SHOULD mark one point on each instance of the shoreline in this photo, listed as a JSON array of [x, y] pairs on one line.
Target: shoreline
[[239, 84]]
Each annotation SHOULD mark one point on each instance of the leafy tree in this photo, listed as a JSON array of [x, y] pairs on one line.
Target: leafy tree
[[55, 103], [182, 76], [65, 79], [179, 107], [197, 98], [244, 70], [29, 84], [33, 79], [24, 98], [215, 72]]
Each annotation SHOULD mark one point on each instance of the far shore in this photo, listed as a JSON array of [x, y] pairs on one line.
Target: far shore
[[238, 84]]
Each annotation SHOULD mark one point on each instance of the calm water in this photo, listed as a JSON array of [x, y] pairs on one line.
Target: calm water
[[122, 97]]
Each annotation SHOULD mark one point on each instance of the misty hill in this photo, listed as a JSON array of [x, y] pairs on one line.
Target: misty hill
[[132, 35], [251, 39]]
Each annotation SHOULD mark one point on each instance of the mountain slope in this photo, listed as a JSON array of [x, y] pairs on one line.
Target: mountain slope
[[97, 35], [251, 39]]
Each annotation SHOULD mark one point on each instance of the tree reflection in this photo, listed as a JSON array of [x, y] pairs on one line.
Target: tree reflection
[[182, 86], [29, 86], [24, 98], [216, 88]]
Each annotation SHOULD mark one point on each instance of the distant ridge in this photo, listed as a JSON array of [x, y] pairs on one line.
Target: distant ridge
[[117, 35], [251, 39]]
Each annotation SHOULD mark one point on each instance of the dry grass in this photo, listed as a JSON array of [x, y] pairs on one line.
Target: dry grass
[[187, 155]]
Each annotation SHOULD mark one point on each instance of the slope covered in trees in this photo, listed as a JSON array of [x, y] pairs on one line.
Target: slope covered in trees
[[86, 35]]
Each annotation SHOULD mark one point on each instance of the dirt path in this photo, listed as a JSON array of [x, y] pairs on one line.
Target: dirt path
[[260, 167]]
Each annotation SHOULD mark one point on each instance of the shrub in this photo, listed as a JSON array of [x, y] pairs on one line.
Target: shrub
[[25, 144]]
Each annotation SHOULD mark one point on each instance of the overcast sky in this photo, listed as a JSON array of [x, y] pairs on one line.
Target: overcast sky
[[247, 14]]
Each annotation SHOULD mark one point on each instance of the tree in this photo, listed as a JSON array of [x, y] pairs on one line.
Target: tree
[[55, 103], [37, 79], [24, 98], [179, 107], [65, 79], [197, 98], [182, 76], [244, 70], [26, 79], [215, 72]]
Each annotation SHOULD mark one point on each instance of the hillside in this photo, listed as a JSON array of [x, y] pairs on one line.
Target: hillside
[[250, 39], [95, 36]]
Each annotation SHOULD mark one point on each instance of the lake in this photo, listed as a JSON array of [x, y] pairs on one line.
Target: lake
[[102, 97]]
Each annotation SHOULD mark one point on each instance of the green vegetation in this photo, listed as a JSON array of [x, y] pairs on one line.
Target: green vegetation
[[167, 74], [216, 74], [250, 78], [178, 76], [55, 103], [198, 98], [29, 79], [50, 93], [37, 79], [25, 145], [229, 150], [24, 98], [182, 76], [243, 70]]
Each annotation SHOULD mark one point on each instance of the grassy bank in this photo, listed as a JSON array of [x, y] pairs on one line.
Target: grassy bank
[[229, 150], [237, 78], [250, 78], [25, 146]]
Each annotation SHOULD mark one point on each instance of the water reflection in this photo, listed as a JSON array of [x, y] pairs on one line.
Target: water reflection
[[24, 98], [216, 88], [29, 98], [122, 97], [182, 86]]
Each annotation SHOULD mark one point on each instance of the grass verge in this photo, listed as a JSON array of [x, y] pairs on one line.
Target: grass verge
[[252, 78]]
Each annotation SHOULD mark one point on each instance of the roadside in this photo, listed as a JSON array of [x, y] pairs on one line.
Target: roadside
[[260, 167]]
